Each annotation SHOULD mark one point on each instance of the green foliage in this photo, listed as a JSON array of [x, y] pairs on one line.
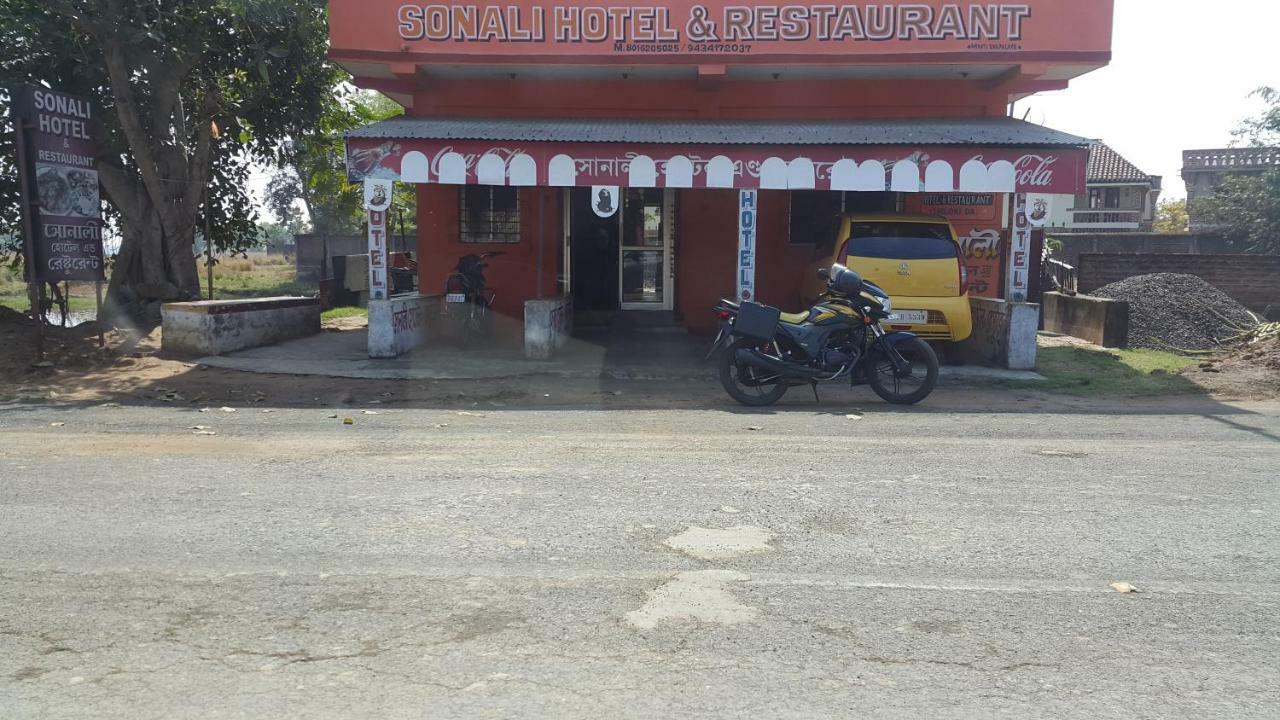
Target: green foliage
[[1246, 210], [312, 171], [1263, 130], [188, 93], [1171, 217]]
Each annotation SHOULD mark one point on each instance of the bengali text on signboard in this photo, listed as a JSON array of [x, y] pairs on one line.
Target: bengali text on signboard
[[60, 160]]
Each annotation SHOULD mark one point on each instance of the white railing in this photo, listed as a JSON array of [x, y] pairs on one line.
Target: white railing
[[1231, 159], [1117, 219]]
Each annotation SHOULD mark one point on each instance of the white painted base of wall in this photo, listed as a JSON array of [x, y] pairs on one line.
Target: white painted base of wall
[[547, 326], [399, 325], [1004, 334]]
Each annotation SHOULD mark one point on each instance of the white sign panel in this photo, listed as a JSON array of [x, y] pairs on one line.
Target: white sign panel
[[378, 255], [1040, 207], [377, 195], [747, 214], [1020, 251], [604, 200]]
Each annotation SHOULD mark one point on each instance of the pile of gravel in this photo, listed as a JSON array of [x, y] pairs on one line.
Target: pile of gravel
[[1177, 312]]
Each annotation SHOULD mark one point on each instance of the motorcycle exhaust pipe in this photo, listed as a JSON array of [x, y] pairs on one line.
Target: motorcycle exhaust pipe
[[764, 362]]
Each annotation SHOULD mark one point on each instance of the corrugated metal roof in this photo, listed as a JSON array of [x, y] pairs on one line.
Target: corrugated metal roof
[[1108, 166], [979, 131]]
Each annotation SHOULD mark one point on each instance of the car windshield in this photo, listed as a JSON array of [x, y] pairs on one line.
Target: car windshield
[[901, 241]]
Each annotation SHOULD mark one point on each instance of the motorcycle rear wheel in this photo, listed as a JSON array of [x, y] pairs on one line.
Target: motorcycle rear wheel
[[733, 374], [909, 389]]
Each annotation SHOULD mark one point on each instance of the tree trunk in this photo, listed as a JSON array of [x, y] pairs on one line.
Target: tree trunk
[[151, 268]]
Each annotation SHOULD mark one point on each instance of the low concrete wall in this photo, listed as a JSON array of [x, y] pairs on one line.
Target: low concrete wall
[[216, 327], [1253, 280], [547, 326], [1004, 334], [399, 325], [1101, 321]]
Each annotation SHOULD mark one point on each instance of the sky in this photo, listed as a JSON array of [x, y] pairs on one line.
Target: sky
[[1180, 77]]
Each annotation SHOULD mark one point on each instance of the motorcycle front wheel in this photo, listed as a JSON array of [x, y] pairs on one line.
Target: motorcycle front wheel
[[907, 387], [749, 385]]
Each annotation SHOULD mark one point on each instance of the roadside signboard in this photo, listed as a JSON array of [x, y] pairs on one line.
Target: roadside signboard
[[57, 158], [968, 207]]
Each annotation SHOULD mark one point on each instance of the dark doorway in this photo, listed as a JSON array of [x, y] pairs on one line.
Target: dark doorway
[[593, 243]]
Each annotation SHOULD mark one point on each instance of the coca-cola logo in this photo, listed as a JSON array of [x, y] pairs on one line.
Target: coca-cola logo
[[1035, 170]]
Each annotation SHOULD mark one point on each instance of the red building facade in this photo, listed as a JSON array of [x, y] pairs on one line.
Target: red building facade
[[519, 113]]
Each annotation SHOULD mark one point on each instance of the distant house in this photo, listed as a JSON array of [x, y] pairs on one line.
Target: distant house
[[1119, 197], [1203, 170]]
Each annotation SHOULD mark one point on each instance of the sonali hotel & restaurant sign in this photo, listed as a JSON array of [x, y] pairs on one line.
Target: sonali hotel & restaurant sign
[[676, 27], [57, 157]]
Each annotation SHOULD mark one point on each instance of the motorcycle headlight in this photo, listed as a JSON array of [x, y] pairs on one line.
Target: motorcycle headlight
[[888, 304]]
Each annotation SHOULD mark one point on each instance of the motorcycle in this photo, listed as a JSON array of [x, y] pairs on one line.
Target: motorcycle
[[766, 351], [468, 300]]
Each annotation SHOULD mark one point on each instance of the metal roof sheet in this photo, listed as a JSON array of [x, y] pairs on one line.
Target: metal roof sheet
[[977, 131]]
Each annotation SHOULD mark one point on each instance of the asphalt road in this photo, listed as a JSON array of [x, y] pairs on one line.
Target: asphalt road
[[575, 562]]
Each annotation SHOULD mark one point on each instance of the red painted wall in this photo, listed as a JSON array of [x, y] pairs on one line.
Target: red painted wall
[[514, 275], [706, 243], [1052, 31], [687, 99], [707, 247]]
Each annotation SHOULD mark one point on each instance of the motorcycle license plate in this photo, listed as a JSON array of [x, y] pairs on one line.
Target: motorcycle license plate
[[455, 297], [909, 317]]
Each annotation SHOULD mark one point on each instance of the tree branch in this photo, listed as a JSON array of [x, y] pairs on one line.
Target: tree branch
[[127, 110], [78, 19]]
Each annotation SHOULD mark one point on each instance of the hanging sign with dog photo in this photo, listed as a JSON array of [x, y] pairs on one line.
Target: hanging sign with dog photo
[[377, 195], [604, 200]]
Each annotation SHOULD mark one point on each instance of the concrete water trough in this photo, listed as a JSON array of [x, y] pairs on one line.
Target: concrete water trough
[[217, 327]]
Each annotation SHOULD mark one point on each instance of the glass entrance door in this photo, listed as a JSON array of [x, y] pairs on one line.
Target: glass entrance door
[[647, 220]]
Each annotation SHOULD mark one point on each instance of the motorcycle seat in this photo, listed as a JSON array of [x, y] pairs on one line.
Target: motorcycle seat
[[793, 318]]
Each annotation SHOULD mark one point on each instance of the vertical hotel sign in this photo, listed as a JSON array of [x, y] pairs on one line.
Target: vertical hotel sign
[[1020, 251], [747, 245], [58, 159], [377, 200]]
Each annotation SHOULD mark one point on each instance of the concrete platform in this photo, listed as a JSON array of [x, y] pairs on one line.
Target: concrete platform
[[620, 356]]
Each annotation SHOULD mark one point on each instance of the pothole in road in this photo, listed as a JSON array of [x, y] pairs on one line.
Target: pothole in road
[[697, 595], [721, 544]]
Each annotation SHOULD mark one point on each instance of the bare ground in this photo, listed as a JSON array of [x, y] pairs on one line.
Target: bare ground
[[130, 369]]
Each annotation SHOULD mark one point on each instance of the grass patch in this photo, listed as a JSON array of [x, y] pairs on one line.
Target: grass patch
[[256, 276], [77, 303], [344, 312], [233, 278], [13, 293], [1088, 372]]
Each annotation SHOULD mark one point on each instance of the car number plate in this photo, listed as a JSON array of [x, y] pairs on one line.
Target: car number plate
[[455, 297], [910, 317]]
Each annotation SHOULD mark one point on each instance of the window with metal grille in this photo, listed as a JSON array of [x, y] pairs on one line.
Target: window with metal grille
[[489, 214]]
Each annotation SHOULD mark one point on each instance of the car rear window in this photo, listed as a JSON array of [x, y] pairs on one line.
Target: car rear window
[[901, 241]]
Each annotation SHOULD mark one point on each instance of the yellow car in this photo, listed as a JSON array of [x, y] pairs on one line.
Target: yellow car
[[916, 259]]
